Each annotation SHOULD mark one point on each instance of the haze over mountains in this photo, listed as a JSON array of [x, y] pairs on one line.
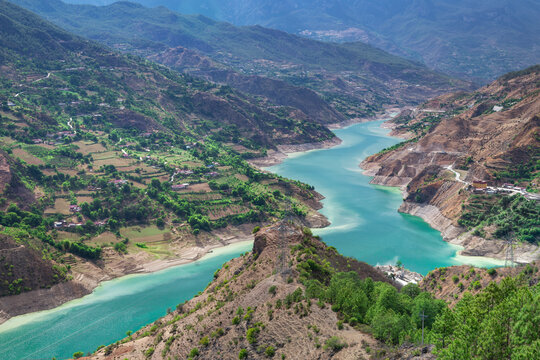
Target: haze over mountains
[[128, 138], [478, 39], [357, 79]]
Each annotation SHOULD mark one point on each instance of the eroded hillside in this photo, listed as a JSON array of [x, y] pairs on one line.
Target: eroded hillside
[[109, 162], [262, 305], [460, 141]]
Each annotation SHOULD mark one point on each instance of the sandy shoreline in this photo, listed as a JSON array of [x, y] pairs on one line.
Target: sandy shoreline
[[84, 282]]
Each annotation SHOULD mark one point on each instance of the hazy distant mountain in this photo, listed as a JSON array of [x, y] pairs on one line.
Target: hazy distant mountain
[[355, 78], [476, 38]]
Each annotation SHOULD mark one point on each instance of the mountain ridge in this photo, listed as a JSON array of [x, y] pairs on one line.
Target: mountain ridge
[[480, 40], [356, 78], [457, 139], [100, 148]]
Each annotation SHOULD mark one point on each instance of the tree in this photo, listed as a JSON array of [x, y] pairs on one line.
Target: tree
[[243, 354]]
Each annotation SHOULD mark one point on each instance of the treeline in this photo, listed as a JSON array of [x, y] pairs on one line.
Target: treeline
[[500, 322]]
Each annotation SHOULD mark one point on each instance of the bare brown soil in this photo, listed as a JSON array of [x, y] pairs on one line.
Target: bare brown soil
[[247, 283]]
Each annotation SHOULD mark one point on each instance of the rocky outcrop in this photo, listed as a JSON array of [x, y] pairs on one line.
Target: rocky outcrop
[[433, 216], [465, 132], [248, 293]]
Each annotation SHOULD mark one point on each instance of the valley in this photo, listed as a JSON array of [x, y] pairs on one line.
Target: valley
[[175, 186], [491, 138], [355, 79], [112, 165]]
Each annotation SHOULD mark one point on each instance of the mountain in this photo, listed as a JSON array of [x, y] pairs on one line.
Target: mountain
[[356, 78], [109, 162], [478, 39], [458, 140], [276, 91], [293, 297]]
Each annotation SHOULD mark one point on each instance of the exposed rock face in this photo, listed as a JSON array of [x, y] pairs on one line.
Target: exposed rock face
[[41, 299], [22, 268], [11, 187], [463, 131], [253, 282], [5, 173]]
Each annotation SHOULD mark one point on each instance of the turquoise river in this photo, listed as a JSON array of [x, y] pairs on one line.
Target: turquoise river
[[365, 225]]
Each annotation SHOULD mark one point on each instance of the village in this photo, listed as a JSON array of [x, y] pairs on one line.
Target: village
[[482, 187]]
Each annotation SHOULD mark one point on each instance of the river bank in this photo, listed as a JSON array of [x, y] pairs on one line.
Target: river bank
[[123, 304], [276, 157], [473, 246], [87, 276]]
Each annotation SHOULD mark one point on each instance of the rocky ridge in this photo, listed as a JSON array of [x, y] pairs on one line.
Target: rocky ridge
[[483, 135], [248, 288]]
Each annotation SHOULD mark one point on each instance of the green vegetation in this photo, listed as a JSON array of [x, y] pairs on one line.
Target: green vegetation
[[242, 354], [512, 216], [497, 323], [503, 314], [397, 146], [270, 351], [100, 139], [194, 353], [251, 334], [334, 343]]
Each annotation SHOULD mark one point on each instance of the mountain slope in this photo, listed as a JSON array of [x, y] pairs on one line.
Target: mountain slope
[[255, 292], [99, 150], [479, 39], [490, 135], [356, 78], [293, 297]]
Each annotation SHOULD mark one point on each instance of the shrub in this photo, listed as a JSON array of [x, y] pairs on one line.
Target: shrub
[[194, 352], [270, 351], [272, 289], [243, 354], [149, 352], [251, 335], [78, 354], [455, 279], [204, 341], [492, 271], [236, 320], [334, 343]]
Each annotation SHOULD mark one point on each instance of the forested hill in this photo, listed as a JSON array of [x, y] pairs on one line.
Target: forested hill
[[102, 154], [481, 39], [293, 297], [356, 78]]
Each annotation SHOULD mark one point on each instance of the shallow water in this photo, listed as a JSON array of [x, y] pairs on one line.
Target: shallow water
[[364, 217], [116, 306]]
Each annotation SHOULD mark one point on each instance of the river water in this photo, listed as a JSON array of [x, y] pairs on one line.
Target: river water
[[116, 306], [364, 217], [365, 225]]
